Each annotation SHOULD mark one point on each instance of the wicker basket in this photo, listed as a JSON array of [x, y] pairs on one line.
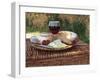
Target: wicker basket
[[37, 56]]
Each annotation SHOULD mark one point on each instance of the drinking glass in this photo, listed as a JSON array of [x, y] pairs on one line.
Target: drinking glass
[[54, 26]]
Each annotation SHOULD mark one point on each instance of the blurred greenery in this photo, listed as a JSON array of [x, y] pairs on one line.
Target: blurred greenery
[[69, 22], [80, 29]]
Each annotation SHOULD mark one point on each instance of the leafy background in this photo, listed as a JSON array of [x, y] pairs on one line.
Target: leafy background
[[71, 22]]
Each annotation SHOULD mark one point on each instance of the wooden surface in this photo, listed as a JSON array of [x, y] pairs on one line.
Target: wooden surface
[[74, 56]]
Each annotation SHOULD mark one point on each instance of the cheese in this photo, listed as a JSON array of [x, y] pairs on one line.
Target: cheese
[[57, 44]]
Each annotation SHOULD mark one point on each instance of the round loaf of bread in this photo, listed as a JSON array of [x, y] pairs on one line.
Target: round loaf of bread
[[67, 37]]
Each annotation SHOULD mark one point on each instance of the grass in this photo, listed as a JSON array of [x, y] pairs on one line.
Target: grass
[[80, 29], [34, 29]]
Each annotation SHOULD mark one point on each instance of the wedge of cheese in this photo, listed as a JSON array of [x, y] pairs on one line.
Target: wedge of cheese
[[57, 44]]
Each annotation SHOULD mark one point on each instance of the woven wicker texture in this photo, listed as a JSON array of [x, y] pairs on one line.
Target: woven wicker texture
[[73, 56]]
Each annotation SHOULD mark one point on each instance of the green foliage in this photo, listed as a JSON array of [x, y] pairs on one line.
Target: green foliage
[[80, 28], [34, 29], [53, 17], [65, 25]]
